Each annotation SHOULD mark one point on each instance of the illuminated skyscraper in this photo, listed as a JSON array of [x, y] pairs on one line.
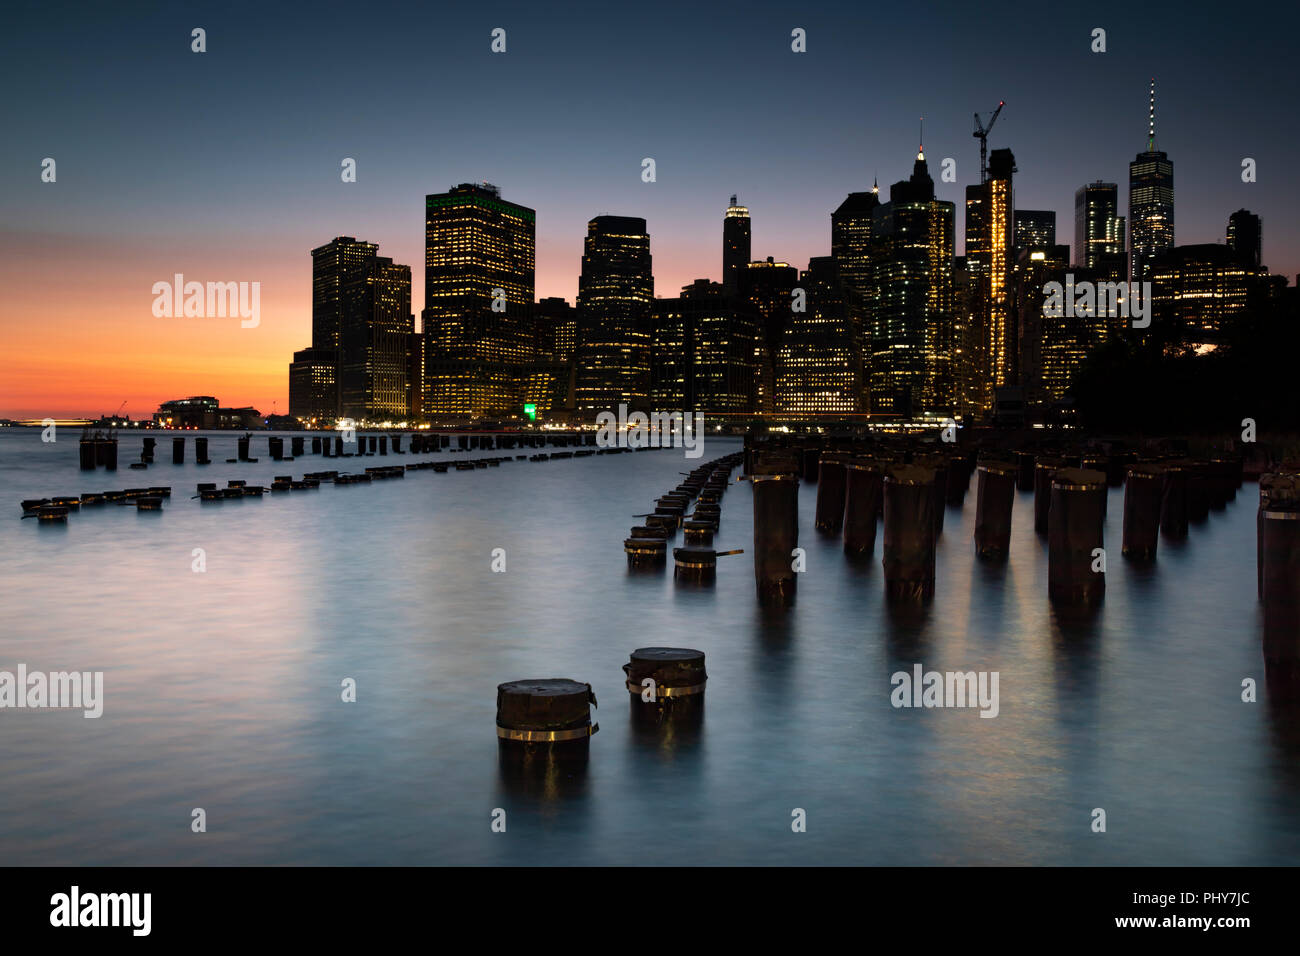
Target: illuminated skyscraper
[[816, 368], [1035, 227], [335, 267], [735, 244], [913, 327], [1099, 230], [615, 290], [1150, 202], [313, 386], [703, 352], [851, 239], [374, 343], [479, 262], [766, 291], [990, 231], [1197, 291], [358, 364]]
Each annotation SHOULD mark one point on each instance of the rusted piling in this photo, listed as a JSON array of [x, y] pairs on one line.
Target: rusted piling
[[698, 564], [1075, 533], [178, 450], [1173, 504], [338, 446], [995, 495], [830, 492], [699, 531], [776, 534], [276, 446], [862, 502], [201, 451], [147, 445], [1143, 492], [909, 534], [243, 443], [296, 443], [148, 503], [546, 713], [86, 450], [644, 551], [666, 684], [383, 444]]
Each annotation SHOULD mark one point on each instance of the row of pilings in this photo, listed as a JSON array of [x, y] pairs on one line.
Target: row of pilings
[[700, 492], [55, 509], [906, 483], [99, 448]]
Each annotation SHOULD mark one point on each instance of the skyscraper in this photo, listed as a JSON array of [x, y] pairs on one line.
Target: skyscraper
[[374, 343], [479, 264], [1099, 230], [615, 290], [1198, 291], [766, 290], [912, 330], [358, 365], [735, 244], [1245, 237], [703, 352], [335, 268], [816, 369], [1035, 227], [851, 237], [313, 386], [990, 228], [1150, 202]]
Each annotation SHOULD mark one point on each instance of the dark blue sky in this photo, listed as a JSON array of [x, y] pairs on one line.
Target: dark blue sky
[[230, 159]]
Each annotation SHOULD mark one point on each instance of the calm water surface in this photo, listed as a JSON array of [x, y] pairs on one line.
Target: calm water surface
[[223, 688]]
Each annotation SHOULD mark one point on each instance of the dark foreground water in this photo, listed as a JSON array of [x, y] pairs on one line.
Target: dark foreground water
[[222, 688]]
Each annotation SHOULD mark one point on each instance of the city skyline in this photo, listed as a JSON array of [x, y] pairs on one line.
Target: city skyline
[[252, 218]]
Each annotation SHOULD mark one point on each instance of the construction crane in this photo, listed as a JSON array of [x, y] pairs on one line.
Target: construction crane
[[982, 134]]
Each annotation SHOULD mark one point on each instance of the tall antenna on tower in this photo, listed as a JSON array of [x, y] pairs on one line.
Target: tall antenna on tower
[[1151, 119]]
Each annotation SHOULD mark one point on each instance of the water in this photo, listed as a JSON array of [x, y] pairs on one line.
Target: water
[[223, 688]]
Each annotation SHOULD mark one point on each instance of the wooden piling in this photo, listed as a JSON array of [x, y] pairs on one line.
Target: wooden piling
[[1143, 493], [995, 495], [864, 486], [1075, 531], [776, 534], [550, 712], [830, 492], [909, 545], [676, 679]]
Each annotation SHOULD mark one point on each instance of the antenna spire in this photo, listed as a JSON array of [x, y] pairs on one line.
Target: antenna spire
[[1151, 119], [920, 149]]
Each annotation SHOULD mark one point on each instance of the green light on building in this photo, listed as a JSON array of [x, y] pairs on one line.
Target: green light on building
[[531, 411]]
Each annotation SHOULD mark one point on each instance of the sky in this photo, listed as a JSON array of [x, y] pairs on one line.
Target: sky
[[225, 165]]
